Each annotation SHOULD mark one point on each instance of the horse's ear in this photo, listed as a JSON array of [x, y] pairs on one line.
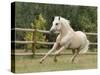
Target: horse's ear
[[52, 18], [59, 18]]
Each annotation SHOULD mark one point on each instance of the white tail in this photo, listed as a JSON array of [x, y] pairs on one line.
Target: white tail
[[85, 48]]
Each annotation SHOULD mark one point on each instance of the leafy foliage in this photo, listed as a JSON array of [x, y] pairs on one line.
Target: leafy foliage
[[38, 23], [83, 18]]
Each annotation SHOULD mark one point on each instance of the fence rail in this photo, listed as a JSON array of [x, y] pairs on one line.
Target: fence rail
[[52, 54], [41, 31], [39, 42]]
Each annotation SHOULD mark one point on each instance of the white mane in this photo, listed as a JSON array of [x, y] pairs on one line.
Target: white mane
[[62, 19], [65, 20]]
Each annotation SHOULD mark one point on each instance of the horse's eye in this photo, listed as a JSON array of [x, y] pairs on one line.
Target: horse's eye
[[56, 24]]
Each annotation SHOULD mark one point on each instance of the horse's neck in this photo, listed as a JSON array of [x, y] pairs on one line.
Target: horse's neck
[[65, 31]]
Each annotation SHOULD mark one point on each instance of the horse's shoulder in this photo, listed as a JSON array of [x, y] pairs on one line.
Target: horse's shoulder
[[58, 38]]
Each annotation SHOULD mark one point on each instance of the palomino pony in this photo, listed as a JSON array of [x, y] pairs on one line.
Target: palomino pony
[[67, 38]]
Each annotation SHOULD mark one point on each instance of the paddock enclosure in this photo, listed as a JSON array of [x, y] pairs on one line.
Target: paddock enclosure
[[28, 61]]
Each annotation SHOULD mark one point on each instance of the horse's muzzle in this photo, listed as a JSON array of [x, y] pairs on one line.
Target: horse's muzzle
[[52, 31]]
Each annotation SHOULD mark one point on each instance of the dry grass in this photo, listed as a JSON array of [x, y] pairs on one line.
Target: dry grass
[[29, 64]]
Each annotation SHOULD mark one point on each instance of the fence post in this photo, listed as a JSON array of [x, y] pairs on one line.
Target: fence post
[[34, 40]]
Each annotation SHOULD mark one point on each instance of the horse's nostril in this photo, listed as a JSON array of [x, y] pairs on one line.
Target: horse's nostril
[[50, 31]]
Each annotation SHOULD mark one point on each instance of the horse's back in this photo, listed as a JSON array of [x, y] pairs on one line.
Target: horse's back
[[81, 34]]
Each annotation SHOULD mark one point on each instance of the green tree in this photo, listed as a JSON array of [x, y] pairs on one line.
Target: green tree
[[38, 23]]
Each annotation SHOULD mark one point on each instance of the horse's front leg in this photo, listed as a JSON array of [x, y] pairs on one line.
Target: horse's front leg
[[49, 52], [57, 52]]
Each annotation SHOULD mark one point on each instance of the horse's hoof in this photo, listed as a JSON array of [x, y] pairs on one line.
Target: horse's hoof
[[40, 62], [55, 60], [72, 62]]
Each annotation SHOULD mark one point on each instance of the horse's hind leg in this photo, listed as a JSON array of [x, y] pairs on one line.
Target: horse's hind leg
[[75, 55], [73, 51]]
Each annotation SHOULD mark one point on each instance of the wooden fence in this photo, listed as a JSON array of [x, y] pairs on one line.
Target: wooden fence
[[38, 42]]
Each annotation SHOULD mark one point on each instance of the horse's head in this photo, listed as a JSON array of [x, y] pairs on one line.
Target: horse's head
[[56, 25], [60, 24]]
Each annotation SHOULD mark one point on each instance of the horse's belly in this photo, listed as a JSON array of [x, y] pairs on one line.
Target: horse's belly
[[75, 43], [74, 46]]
